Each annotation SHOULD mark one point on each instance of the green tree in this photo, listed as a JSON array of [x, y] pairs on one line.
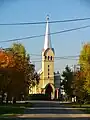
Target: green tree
[[19, 49], [67, 81], [26, 69]]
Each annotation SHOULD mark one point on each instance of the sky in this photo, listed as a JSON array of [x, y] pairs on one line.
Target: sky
[[66, 44]]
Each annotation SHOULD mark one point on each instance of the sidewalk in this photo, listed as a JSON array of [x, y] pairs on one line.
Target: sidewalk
[[48, 116]]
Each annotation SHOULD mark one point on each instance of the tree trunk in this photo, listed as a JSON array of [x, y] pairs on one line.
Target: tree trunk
[[2, 97], [7, 99]]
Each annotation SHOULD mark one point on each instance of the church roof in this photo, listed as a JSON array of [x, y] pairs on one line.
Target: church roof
[[47, 42]]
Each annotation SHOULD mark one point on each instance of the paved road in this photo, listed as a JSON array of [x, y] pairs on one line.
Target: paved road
[[45, 110]]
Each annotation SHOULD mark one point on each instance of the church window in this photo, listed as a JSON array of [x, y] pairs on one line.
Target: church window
[[48, 76], [51, 57], [48, 57], [45, 57]]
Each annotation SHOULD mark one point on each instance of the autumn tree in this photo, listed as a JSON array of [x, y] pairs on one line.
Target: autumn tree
[[5, 71], [84, 62], [31, 76], [20, 72], [78, 86]]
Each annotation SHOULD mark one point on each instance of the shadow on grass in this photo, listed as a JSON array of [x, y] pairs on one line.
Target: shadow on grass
[[86, 107], [86, 110], [13, 109]]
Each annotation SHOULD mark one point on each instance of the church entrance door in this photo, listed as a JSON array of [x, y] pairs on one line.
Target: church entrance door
[[48, 91]]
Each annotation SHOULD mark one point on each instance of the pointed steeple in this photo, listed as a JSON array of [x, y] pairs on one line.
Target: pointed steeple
[[47, 43]]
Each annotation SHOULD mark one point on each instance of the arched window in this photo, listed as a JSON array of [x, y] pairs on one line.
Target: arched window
[[48, 76], [48, 57], [45, 57], [48, 67], [51, 57]]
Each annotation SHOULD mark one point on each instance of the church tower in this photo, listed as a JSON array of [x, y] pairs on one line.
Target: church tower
[[48, 62], [46, 83]]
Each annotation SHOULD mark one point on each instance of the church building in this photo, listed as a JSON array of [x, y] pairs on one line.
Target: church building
[[47, 79]]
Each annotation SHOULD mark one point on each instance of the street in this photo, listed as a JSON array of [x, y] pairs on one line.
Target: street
[[51, 110]]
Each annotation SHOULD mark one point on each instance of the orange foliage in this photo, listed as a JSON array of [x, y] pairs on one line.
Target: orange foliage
[[6, 60], [80, 75], [9, 60]]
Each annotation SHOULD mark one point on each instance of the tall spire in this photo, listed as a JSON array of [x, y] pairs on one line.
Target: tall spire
[[47, 43]]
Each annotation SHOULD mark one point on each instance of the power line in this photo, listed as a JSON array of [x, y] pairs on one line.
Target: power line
[[54, 61], [40, 22], [53, 33], [40, 60], [57, 57]]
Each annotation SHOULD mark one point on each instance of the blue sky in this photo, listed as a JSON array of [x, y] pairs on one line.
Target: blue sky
[[66, 44]]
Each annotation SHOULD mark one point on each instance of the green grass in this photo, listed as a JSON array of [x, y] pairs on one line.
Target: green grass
[[7, 112], [86, 107], [86, 110], [13, 109], [76, 105], [17, 105], [8, 118]]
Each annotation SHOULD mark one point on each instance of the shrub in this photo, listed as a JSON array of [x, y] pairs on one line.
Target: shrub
[[38, 97]]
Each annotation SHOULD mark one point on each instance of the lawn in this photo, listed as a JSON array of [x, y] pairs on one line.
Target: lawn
[[13, 109], [86, 107], [86, 110], [76, 105], [7, 111]]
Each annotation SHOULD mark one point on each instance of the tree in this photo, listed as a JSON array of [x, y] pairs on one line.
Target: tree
[[19, 71], [84, 62], [78, 86], [24, 68], [67, 81], [19, 49], [5, 72]]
